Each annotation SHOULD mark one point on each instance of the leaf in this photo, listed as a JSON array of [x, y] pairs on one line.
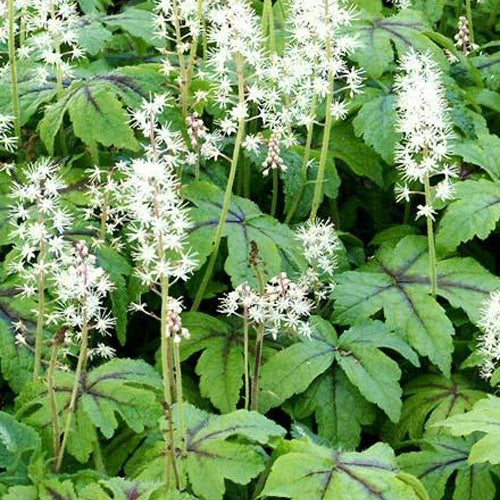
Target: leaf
[[339, 409], [95, 106], [397, 281], [483, 151], [137, 22], [440, 458], [315, 472], [431, 398], [17, 442], [405, 30], [122, 387], [484, 417], [210, 457], [93, 37], [376, 122], [220, 366], [98, 117], [279, 249], [376, 376], [359, 157], [475, 213], [118, 488]]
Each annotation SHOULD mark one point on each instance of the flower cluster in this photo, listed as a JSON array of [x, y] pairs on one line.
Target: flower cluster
[[103, 205], [158, 220], [426, 129], [7, 140], [462, 38], [313, 65], [54, 34], [489, 342], [284, 306], [39, 222], [80, 287]]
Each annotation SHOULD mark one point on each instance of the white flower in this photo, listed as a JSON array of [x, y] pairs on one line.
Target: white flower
[[7, 140], [425, 211], [489, 341]]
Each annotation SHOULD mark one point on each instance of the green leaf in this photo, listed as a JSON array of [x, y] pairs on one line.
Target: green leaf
[[315, 472], [376, 376], [210, 457], [220, 366], [279, 249], [98, 117], [476, 212], [484, 417], [397, 281], [376, 122], [433, 9], [429, 399], [359, 157], [17, 442], [137, 22], [440, 458], [93, 37], [375, 33], [483, 151], [122, 387], [339, 409]]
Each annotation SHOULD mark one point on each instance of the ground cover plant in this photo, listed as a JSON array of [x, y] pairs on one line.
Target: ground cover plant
[[249, 249]]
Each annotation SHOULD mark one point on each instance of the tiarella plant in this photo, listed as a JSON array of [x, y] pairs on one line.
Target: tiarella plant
[[209, 288]]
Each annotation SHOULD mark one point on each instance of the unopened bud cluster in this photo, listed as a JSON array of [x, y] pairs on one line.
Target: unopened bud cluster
[[273, 160], [196, 129], [462, 38], [174, 321]]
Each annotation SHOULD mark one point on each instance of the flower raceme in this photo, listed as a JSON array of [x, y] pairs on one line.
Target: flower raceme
[[423, 121], [489, 341]]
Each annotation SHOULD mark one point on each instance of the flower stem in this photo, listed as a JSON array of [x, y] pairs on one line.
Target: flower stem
[[82, 361], [13, 70], [430, 239], [256, 371], [274, 200], [229, 189], [468, 13], [56, 432], [179, 395], [245, 357], [40, 315], [318, 188], [168, 380]]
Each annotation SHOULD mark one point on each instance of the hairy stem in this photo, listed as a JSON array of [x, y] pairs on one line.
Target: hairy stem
[[274, 200], [245, 357], [468, 13], [229, 189], [179, 395], [82, 361], [256, 371], [168, 380], [56, 432], [13, 69], [318, 188], [430, 239], [40, 320]]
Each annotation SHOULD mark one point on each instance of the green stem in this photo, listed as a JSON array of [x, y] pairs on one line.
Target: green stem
[[254, 405], [245, 357], [272, 32], [430, 239], [274, 200], [179, 396], [229, 190], [184, 84], [13, 70], [52, 398], [40, 320], [167, 373], [305, 164], [98, 460], [82, 361], [468, 13], [318, 188]]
